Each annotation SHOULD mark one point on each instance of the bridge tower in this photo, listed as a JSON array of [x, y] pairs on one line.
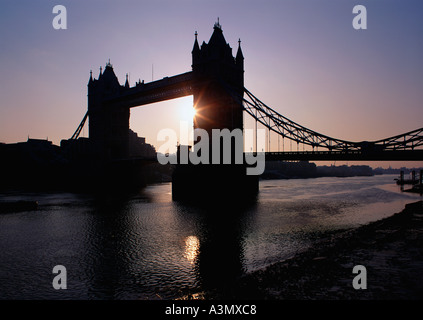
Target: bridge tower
[[216, 71], [217, 77], [108, 125]]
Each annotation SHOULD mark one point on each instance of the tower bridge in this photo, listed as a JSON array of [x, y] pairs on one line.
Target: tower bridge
[[216, 83]]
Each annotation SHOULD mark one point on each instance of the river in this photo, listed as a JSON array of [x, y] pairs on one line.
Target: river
[[145, 246]]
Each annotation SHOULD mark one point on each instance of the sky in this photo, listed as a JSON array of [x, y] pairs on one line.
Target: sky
[[303, 58]]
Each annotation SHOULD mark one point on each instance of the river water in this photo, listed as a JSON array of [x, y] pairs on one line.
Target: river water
[[145, 246]]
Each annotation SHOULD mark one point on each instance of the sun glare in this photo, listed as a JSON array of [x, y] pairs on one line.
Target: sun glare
[[187, 111]]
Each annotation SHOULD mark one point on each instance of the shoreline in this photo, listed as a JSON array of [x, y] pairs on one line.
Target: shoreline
[[391, 249]]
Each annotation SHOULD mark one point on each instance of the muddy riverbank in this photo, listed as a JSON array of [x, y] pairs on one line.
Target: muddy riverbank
[[391, 250]]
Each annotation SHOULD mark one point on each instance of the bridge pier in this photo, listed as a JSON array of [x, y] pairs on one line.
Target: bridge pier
[[213, 184]]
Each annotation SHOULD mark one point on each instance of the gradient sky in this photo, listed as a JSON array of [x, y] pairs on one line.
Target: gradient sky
[[302, 58]]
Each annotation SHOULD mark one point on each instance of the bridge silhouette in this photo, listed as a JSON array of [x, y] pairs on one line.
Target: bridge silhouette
[[220, 99]]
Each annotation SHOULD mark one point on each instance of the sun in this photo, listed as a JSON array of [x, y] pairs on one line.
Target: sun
[[187, 111]]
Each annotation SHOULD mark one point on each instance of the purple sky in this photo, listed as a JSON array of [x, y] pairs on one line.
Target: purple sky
[[302, 58]]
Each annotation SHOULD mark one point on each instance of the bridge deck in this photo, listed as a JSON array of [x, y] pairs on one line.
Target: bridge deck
[[161, 90], [404, 155], [399, 155]]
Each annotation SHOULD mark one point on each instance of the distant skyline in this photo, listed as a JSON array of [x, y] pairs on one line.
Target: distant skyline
[[302, 58]]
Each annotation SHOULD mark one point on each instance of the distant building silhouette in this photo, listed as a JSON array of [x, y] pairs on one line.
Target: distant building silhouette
[[36, 163], [138, 148]]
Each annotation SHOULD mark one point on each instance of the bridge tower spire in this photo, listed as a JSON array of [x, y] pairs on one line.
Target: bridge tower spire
[[91, 78], [127, 82], [239, 60]]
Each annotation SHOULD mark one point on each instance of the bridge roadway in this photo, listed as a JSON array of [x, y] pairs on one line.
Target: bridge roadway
[[160, 90], [398, 155], [355, 155]]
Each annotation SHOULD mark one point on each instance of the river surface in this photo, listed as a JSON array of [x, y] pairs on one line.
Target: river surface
[[145, 246]]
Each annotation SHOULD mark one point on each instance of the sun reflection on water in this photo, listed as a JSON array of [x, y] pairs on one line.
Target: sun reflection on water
[[192, 246]]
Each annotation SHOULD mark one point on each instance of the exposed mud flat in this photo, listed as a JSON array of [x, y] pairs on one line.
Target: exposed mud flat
[[391, 250]]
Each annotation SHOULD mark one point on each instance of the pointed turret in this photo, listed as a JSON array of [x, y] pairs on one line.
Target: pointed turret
[[239, 54], [195, 50], [127, 82], [196, 47], [91, 81], [239, 60]]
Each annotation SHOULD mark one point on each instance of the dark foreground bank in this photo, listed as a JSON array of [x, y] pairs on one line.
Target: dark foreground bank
[[391, 250]]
